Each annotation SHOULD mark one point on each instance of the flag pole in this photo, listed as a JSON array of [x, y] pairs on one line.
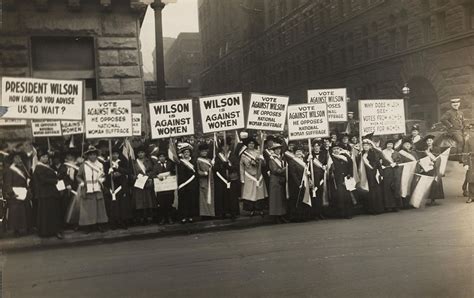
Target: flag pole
[[111, 174]]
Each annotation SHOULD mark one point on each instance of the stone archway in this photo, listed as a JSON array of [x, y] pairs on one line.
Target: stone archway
[[423, 103]]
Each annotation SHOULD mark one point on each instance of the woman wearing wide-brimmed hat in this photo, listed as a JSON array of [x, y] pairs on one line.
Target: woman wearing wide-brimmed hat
[[91, 177], [188, 186], [277, 184], [253, 186]]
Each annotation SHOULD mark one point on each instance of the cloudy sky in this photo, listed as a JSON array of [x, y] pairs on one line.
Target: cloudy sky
[[177, 17]]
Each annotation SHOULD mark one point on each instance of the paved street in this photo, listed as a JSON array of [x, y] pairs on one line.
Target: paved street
[[416, 253]]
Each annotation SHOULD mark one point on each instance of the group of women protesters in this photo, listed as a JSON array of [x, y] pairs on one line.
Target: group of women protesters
[[112, 184]]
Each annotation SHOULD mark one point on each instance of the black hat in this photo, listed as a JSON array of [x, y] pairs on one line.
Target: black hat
[[140, 148], [228, 141], [117, 149], [406, 140], [203, 146], [91, 149], [102, 143], [41, 151], [430, 137], [345, 135], [368, 136], [299, 146], [249, 140], [317, 141], [415, 127], [162, 153], [271, 138]]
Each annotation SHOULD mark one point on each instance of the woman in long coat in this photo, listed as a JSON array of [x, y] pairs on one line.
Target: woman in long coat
[[437, 189], [253, 184], [226, 181], [188, 186], [19, 211], [340, 169], [67, 172], [145, 200], [121, 209], [277, 185], [370, 159], [91, 177], [206, 182], [320, 159], [408, 155], [392, 175], [45, 179]]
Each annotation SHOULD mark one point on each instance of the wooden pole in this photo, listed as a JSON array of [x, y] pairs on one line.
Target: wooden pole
[[111, 174]]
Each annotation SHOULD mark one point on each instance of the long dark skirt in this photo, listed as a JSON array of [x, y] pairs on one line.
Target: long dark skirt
[[391, 187], [341, 200], [188, 200], [437, 190], [50, 219], [375, 202], [226, 199], [121, 209], [165, 200], [19, 215]]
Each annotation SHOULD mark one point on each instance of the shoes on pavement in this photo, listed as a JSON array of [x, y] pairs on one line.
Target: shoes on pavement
[[60, 236], [170, 221], [465, 193], [470, 200], [183, 221]]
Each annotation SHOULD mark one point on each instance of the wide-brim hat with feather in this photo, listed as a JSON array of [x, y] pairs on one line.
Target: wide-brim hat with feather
[[183, 147]]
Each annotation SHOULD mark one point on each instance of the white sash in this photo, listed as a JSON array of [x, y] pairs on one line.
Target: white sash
[[253, 178], [93, 183], [205, 161], [227, 183], [187, 182], [141, 166], [224, 158], [18, 171], [317, 163], [277, 161], [188, 164], [75, 167], [114, 193], [341, 157], [407, 155], [366, 161]]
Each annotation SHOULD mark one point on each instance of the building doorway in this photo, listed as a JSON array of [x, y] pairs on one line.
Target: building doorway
[[423, 103]]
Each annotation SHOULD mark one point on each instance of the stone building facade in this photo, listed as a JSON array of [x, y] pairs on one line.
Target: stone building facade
[[183, 63], [92, 40], [371, 47]]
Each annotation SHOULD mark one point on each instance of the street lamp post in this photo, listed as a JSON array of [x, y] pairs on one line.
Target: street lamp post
[[406, 97], [158, 6]]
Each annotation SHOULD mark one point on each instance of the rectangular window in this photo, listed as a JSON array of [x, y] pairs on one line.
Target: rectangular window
[[51, 59]]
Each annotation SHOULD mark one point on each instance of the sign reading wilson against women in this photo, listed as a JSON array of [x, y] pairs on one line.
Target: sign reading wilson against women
[[382, 116], [171, 118], [308, 121], [336, 100], [267, 112], [28, 98], [222, 112], [108, 119]]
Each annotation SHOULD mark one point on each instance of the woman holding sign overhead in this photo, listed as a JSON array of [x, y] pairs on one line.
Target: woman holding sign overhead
[[143, 190], [46, 189]]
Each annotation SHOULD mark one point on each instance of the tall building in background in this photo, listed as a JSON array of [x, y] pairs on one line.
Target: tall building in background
[[372, 47], [183, 63], [167, 42]]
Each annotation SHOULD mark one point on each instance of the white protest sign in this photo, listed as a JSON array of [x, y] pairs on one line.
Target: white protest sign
[[171, 118], [72, 127], [382, 116], [267, 112], [137, 124], [28, 98], [336, 100], [108, 119], [307, 121], [46, 128], [12, 122], [222, 112]]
